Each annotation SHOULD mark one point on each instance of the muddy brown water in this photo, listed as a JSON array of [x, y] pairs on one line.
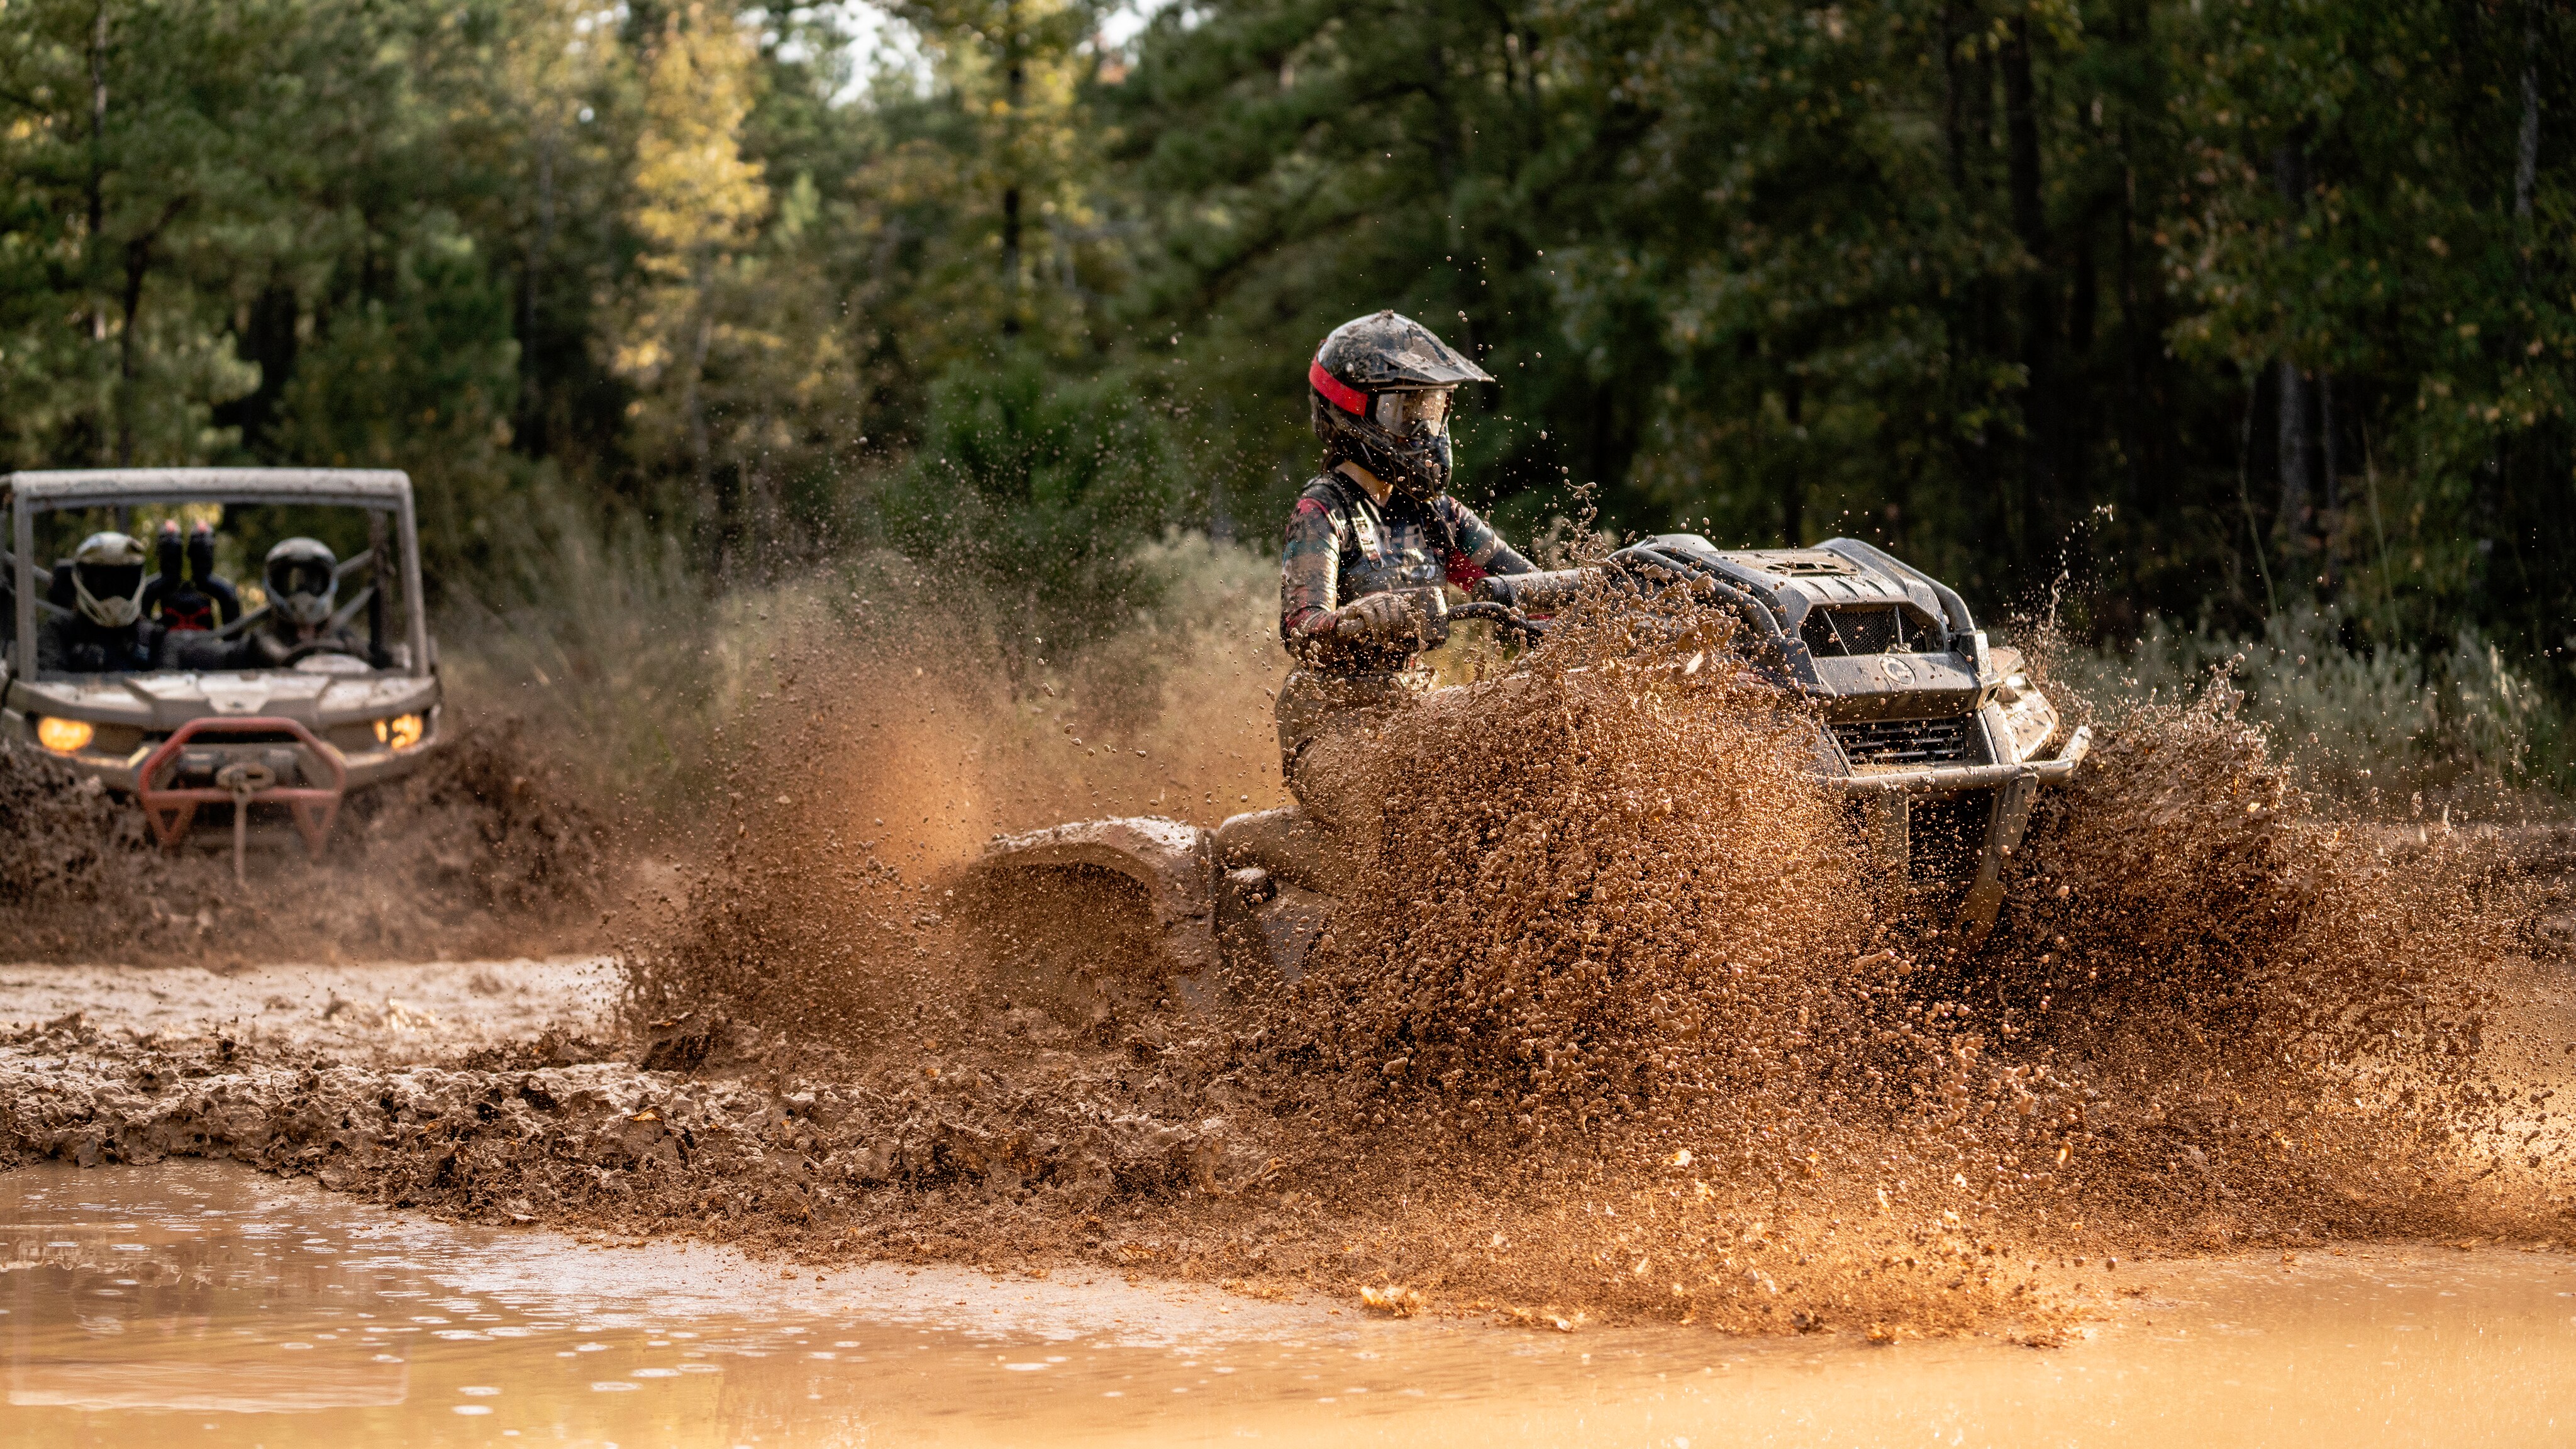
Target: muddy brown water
[[204, 1303]]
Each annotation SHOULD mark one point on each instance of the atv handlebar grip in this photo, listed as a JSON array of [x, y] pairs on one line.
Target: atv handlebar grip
[[1546, 592]]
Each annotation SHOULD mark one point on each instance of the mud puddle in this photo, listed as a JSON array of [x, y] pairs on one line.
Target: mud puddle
[[207, 1303], [387, 1011]]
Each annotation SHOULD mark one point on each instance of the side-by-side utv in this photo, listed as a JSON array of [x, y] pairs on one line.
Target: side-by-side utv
[[197, 728]]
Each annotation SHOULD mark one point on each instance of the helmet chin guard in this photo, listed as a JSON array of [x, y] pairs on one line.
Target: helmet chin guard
[[1381, 388]]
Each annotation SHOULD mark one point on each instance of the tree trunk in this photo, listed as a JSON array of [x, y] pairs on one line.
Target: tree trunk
[[97, 197], [2290, 177], [693, 413], [2133, 338], [2526, 159], [1793, 492], [2039, 290], [138, 265], [2291, 409], [266, 336], [98, 122], [2333, 479], [1016, 74], [531, 286], [1962, 82]]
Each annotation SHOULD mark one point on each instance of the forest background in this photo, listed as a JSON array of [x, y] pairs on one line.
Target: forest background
[[2202, 325]]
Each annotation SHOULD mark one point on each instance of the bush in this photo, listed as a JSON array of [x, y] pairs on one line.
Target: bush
[[2387, 727]]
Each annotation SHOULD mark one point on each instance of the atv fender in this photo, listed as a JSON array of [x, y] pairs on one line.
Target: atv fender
[[1233, 911], [1174, 863]]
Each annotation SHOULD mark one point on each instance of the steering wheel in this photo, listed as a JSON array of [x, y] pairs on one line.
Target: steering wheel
[[311, 647]]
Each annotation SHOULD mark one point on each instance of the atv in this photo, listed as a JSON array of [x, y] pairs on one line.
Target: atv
[[1937, 740], [184, 739]]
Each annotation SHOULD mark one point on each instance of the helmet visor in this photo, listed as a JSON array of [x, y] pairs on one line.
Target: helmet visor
[[111, 580], [291, 576], [1423, 413]]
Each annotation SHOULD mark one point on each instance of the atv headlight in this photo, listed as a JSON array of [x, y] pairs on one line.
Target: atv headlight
[[402, 731], [64, 736]]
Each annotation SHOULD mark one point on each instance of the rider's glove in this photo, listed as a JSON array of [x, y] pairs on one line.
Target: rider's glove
[[1374, 616]]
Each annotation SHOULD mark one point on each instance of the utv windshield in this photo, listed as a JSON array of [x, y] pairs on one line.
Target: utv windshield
[[341, 545]]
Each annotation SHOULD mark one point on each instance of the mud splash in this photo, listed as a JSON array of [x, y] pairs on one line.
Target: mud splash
[[484, 851], [1619, 1028]]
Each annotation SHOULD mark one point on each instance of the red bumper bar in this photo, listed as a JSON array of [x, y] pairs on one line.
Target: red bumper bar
[[173, 811]]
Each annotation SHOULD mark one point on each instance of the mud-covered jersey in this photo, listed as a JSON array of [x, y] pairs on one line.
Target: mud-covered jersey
[[1343, 545]]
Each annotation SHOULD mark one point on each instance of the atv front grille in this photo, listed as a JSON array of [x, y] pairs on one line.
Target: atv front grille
[[1841, 630], [1898, 742]]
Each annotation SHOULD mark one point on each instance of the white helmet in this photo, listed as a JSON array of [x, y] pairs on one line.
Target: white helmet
[[303, 578], [107, 578]]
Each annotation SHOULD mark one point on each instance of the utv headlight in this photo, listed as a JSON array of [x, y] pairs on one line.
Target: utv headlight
[[402, 731], [64, 736]]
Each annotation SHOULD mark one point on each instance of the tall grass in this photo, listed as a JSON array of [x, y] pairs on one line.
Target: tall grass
[[596, 631], [623, 661], [2385, 729]]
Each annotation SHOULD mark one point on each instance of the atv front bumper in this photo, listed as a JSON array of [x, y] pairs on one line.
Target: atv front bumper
[[1925, 821]]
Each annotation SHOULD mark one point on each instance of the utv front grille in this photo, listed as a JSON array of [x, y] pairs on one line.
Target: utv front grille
[[1886, 742], [1837, 631]]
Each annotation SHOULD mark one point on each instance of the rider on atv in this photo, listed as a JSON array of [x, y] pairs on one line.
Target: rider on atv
[[1376, 535]]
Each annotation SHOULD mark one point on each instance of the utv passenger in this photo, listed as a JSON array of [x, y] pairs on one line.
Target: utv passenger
[[303, 583], [166, 575], [202, 575], [105, 631], [181, 603], [1375, 536]]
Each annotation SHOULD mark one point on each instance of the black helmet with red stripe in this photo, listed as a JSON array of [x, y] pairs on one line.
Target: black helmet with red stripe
[[1381, 386]]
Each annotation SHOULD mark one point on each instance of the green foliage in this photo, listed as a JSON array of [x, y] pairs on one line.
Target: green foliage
[[2166, 308], [2003, 285], [2375, 727], [1042, 490]]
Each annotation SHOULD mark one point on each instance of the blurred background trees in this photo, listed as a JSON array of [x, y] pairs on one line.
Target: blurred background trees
[[2206, 310]]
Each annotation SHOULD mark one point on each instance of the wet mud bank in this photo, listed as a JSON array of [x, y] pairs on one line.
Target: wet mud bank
[[485, 851], [572, 1125]]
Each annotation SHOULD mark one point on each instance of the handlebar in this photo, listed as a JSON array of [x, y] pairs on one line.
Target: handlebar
[[1502, 616]]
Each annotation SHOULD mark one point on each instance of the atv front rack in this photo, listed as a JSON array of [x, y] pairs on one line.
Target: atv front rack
[[1936, 779], [241, 783]]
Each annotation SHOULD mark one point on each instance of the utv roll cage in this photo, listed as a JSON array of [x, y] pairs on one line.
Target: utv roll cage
[[384, 493]]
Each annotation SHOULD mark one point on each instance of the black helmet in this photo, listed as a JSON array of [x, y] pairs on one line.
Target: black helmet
[[1380, 387], [107, 578], [201, 552], [165, 552]]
